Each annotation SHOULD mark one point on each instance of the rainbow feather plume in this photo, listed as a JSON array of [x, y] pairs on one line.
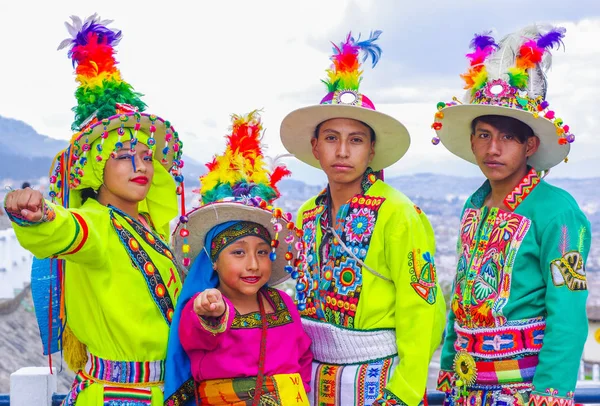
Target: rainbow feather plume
[[92, 48], [345, 72], [241, 172], [483, 46]]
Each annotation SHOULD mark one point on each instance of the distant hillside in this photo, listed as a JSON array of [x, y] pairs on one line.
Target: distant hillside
[[27, 155], [19, 138]]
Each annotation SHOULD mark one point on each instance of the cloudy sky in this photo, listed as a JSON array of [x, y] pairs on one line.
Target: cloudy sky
[[198, 62]]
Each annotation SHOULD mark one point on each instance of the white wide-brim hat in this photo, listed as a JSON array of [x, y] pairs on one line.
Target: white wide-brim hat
[[455, 133], [201, 220], [298, 128], [508, 79]]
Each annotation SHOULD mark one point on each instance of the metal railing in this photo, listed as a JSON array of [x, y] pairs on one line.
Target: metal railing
[[588, 396]]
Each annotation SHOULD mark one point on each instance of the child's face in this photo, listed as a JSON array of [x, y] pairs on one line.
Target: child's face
[[244, 267]]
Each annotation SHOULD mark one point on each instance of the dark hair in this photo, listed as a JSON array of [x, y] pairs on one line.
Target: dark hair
[[88, 193], [518, 129], [25, 185], [371, 132]]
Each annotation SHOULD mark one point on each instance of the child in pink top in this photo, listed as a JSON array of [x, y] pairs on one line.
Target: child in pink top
[[233, 340], [221, 347]]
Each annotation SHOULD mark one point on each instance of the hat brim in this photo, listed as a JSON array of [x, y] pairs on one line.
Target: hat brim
[[203, 219], [298, 128], [455, 133], [96, 129]]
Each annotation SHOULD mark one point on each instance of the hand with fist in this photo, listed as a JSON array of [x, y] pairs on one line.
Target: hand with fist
[[209, 303], [25, 203]]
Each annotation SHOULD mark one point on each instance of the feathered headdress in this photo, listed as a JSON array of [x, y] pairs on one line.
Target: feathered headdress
[[101, 87], [345, 100], [241, 172], [345, 74], [105, 102], [521, 60], [511, 75]]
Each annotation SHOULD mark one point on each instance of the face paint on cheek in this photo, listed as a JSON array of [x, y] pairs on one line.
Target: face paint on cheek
[[133, 162]]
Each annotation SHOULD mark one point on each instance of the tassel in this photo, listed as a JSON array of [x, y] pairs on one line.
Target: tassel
[[75, 352]]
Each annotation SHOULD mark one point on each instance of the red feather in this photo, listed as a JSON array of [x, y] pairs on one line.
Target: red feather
[[529, 55], [212, 164], [278, 174], [245, 139], [94, 58]]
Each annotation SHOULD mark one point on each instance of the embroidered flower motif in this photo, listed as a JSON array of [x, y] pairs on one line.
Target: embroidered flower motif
[[469, 226], [360, 225], [552, 391], [505, 226], [482, 314], [465, 368], [347, 276], [497, 89]]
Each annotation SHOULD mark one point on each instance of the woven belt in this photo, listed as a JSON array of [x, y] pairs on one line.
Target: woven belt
[[125, 371], [507, 371], [501, 342], [488, 373], [123, 381], [336, 345]]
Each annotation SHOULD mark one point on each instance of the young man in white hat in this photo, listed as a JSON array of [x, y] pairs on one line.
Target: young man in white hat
[[518, 323], [368, 294]]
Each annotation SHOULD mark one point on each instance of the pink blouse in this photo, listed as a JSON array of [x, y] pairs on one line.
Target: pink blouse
[[234, 352]]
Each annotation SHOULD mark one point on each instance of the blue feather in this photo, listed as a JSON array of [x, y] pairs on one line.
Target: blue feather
[[369, 47]]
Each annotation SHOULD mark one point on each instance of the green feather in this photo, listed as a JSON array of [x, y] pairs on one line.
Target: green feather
[[102, 100], [265, 192], [518, 78]]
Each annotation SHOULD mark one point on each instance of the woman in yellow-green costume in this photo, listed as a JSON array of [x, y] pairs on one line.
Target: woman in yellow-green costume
[[105, 231]]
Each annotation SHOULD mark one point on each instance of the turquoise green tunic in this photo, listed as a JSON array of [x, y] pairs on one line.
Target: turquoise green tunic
[[518, 322]]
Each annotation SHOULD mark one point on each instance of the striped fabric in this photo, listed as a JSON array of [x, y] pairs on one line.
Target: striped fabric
[[506, 371], [125, 382], [125, 372], [277, 390]]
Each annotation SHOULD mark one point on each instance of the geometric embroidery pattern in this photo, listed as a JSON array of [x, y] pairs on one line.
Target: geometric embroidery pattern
[[549, 400], [335, 275], [489, 241], [280, 316], [422, 271], [328, 377], [371, 379], [445, 381], [142, 261], [520, 192]]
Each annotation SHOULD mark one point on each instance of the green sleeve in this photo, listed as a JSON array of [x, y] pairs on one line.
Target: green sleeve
[[565, 244], [69, 233], [420, 306]]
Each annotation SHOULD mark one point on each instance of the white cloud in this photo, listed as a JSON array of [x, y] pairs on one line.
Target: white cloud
[[196, 68]]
